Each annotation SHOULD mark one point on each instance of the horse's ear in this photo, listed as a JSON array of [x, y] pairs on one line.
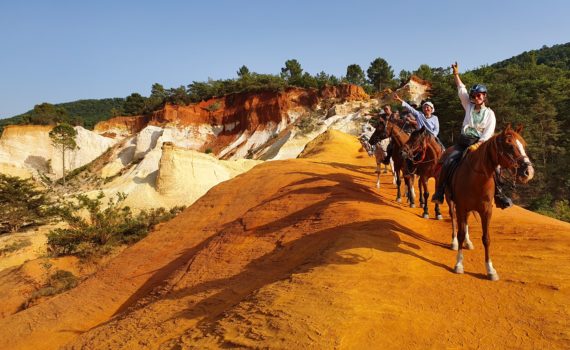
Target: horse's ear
[[519, 128]]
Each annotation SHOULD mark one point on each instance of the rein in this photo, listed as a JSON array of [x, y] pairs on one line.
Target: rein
[[399, 130]]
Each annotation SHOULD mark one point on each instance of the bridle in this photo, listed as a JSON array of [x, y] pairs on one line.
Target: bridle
[[421, 146], [515, 163]]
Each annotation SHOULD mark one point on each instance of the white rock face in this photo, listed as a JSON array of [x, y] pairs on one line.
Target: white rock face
[[171, 176], [146, 140], [186, 175], [347, 117], [29, 147]]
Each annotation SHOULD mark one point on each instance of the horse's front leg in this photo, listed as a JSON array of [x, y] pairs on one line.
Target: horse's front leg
[[398, 183], [423, 183], [393, 171], [468, 244], [421, 192], [462, 224], [454, 245], [485, 221], [438, 212], [410, 180], [377, 175]]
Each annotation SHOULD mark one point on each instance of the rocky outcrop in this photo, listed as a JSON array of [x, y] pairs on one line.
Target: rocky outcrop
[[414, 91], [30, 147], [121, 126], [231, 126], [169, 176], [344, 92], [191, 174]]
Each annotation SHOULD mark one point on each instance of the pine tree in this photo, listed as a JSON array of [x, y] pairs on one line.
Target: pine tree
[[63, 137]]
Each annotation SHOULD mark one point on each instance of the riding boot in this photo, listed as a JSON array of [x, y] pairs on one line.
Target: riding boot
[[501, 200], [439, 194]]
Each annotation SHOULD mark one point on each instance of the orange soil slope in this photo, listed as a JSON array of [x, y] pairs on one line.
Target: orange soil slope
[[306, 254]]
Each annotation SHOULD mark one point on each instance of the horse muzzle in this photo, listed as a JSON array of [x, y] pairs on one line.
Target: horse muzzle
[[525, 172]]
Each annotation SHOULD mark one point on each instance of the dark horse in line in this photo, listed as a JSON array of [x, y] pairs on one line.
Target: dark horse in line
[[422, 153], [393, 128], [472, 187]]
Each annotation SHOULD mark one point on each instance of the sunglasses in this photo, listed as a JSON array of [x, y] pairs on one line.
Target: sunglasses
[[479, 94]]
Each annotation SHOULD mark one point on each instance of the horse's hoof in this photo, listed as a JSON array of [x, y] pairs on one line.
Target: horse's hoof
[[458, 269], [426, 216], [439, 217], [469, 245], [399, 200], [493, 277], [412, 205], [454, 244]]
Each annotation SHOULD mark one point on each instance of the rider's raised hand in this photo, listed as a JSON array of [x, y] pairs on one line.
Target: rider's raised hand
[[396, 97], [455, 68]]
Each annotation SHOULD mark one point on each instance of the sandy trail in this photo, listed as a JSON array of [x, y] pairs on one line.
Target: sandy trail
[[306, 253]]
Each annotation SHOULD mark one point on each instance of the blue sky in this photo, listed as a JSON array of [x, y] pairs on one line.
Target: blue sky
[[60, 51]]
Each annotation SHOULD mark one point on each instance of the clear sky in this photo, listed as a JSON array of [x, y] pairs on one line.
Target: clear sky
[[59, 51]]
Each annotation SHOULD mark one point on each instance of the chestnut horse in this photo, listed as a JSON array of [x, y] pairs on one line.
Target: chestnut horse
[[422, 153], [391, 128], [472, 186]]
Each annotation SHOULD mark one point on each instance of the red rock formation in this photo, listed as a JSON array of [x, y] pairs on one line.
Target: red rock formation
[[237, 112], [346, 92], [129, 125]]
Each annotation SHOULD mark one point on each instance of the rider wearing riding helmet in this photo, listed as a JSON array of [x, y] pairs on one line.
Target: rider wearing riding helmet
[[478, 126]]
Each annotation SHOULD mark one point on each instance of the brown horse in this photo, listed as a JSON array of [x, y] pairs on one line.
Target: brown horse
[[392, 128], [422, 153], [472, 186]]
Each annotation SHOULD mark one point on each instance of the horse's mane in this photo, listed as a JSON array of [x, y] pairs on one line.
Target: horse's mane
[[483, 154], [418, 135]]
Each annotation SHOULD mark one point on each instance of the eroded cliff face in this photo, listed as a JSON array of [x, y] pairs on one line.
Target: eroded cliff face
[[231, 126], [414, 91], [29, 147], [121, 126]]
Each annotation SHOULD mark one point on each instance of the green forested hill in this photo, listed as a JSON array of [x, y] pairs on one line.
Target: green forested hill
[[557, 56], [81, 112], [93, 111]]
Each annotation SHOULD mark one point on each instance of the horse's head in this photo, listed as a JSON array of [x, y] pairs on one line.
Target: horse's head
[[415, 144], [512, 154], [383, 128]]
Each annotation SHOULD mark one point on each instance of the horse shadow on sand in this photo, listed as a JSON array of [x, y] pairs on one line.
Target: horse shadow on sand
[[288, 256], [325, 247]]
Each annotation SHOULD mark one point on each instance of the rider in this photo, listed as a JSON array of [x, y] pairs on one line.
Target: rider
[[478, 126], [426, 119], [376, 137]]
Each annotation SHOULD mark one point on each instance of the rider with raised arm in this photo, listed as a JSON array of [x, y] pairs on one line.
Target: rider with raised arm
[[478, 126], [426, 119]]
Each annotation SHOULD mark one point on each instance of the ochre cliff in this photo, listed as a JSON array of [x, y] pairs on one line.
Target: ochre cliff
[[122, 125], [235, 113]]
